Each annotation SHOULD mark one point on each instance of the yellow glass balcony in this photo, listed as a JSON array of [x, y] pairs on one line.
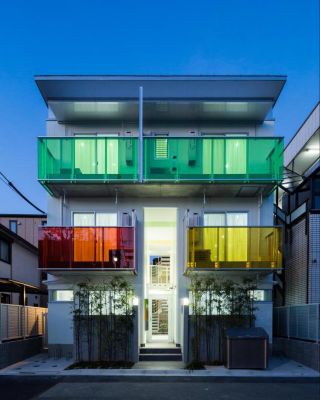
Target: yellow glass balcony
[[234, 247]]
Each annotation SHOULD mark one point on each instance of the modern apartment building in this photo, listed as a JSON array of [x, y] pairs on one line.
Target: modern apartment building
[[156, 179]]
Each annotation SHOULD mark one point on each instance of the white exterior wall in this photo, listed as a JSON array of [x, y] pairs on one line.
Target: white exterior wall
[[265, 129]]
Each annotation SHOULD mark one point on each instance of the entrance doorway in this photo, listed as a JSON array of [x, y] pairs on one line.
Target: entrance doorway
[[159, 317], [160, 242]]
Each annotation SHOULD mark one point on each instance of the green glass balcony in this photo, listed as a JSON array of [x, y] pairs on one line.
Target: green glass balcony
[[221, 159], [81, 159], [233, 248]]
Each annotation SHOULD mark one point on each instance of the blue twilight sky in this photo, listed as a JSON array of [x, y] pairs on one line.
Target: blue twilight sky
[[145, 37]]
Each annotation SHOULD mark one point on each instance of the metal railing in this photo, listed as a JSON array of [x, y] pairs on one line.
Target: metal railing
[[297, 322], [160, 275], [19, 322]]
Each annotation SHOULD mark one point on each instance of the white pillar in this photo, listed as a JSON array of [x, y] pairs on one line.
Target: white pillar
[[140, 134]]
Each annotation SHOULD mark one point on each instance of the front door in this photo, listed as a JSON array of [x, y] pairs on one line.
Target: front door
[[160, 318]]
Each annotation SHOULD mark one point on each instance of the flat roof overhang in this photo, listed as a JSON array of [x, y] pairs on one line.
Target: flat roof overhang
[[165, 190], [80, 273], [112, 98], [13, 286]]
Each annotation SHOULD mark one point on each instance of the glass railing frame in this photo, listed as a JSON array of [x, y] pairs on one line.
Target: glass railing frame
[[69, 267], [214, 179], [278, 261], [43, 177], [224, 177]]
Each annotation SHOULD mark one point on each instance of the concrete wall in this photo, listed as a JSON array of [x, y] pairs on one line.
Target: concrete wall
[[307, 353], [18, 350]]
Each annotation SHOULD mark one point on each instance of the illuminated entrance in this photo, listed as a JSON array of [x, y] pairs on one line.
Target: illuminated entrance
[[160, 254]]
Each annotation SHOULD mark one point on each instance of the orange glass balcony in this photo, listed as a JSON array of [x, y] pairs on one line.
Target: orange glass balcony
[[87, 248], [234, 248]]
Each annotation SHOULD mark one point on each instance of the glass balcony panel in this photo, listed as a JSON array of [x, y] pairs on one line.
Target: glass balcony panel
[[86, 247], [213, 159], [88, 158], [234, 247]]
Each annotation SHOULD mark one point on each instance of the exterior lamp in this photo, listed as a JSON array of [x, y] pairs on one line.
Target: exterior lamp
[[185, 301], [135, 301]]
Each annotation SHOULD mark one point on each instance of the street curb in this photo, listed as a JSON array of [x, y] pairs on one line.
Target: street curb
[[164, 378]]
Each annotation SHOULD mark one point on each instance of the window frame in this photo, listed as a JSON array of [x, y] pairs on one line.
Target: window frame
[[11, 221], [52, 300], [94, 217], [9, 260], [225, 217]]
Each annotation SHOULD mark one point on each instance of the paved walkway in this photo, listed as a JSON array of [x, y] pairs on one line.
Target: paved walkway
[[279, 367]]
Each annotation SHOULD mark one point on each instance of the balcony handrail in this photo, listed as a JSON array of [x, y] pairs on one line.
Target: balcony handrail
[[87, 247], [87, 226], [208, 249], [234, 226], [279, 138]]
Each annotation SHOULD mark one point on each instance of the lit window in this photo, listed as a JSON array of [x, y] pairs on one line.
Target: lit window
[[62, 295], [261, 295], [161, 149]]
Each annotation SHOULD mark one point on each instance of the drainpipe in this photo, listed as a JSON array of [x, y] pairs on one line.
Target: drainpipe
[[140, 134]]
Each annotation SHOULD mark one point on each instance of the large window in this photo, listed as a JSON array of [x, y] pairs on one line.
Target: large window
[[5, 250], [61, 295], [226, 219], [94, 219], [232, 243]]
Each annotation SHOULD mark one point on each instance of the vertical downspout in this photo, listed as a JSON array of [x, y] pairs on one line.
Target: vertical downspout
[[140, 134]]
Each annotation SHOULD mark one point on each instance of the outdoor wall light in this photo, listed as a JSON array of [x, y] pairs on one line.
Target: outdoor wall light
[[135, 301], [185, 301], [115, 259]]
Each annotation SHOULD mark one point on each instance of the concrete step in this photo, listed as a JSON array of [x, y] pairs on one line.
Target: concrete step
[[160, 357], [159, 350]]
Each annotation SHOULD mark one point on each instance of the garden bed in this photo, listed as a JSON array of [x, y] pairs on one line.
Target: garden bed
[[102, 365]]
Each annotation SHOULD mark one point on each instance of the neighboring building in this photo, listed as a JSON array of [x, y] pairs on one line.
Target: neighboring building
[[298, 210], [20, 278], [24, 225], [155, 178]]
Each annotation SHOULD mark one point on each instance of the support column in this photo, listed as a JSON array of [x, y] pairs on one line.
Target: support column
[[140, 165]]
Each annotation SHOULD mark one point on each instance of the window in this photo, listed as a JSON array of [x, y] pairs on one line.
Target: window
[[316, 193], [262, 295], [226, 219], [161, 149], [5, 251], [106, 219], [62, 295], [230, 241], [13, 225], [94, 219], [83, 219]]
